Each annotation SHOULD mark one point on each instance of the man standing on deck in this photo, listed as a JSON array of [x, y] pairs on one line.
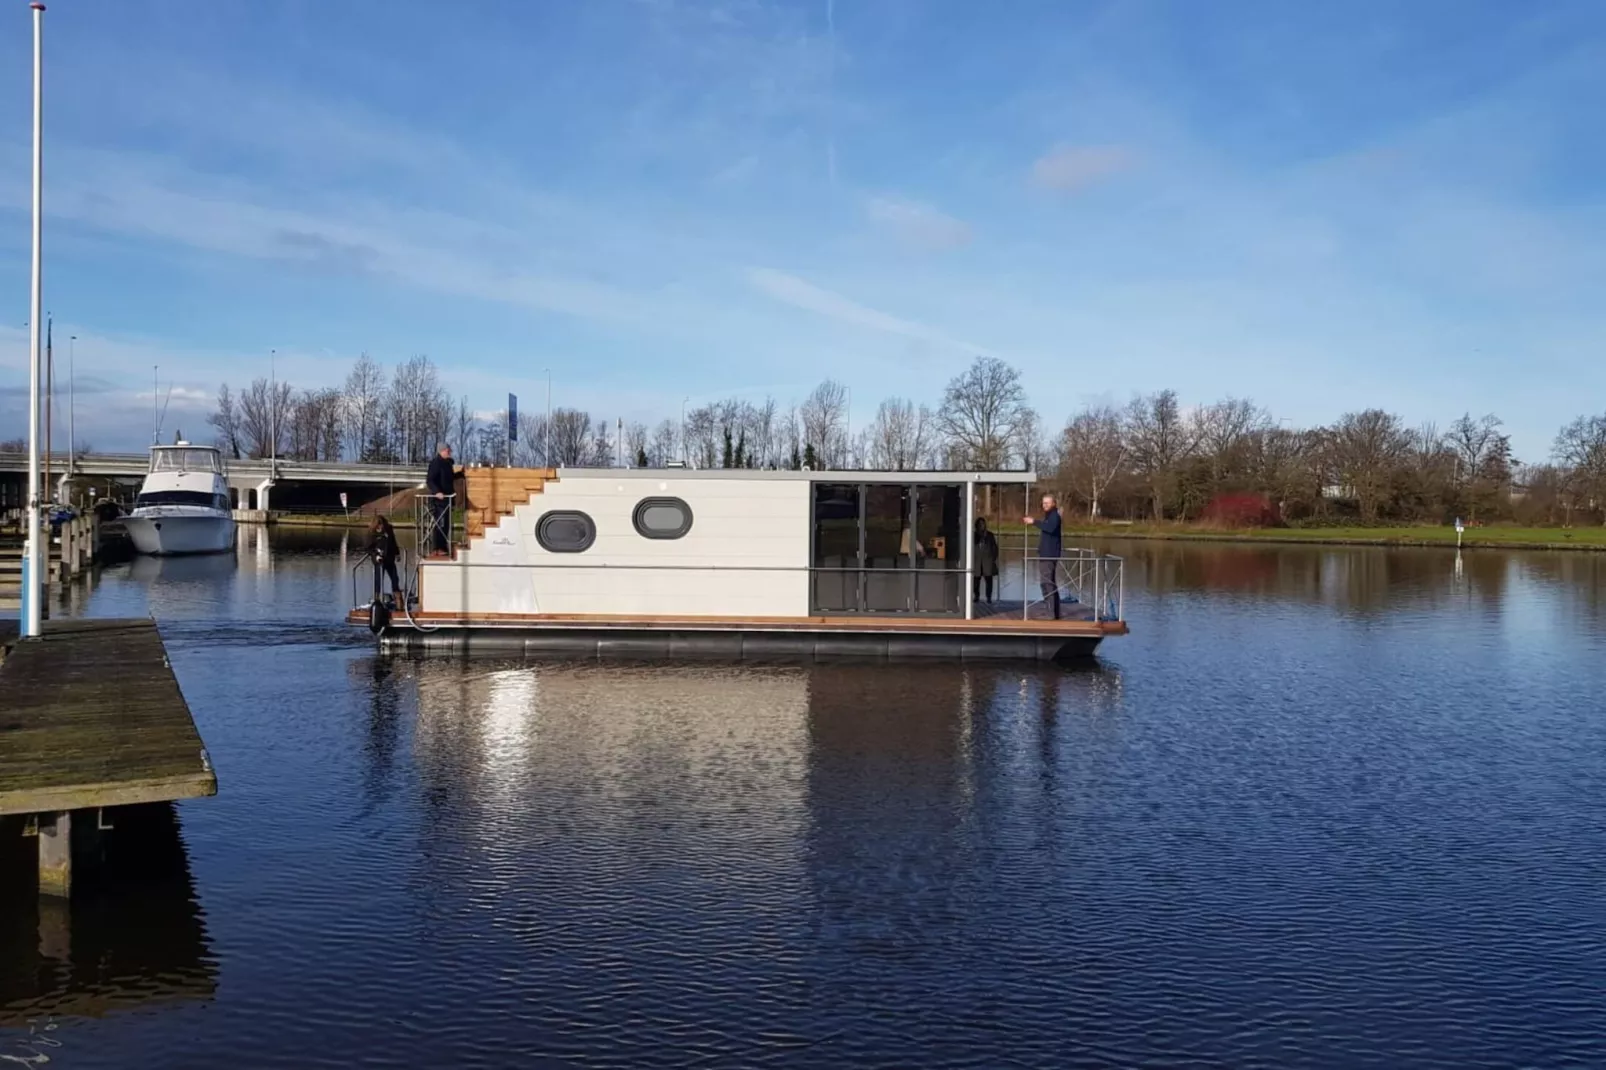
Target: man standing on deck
[[1048, 553], [439, 485]]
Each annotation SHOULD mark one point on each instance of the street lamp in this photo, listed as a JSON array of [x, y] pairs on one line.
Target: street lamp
[[72, 406], [685, 453], [546, 448]]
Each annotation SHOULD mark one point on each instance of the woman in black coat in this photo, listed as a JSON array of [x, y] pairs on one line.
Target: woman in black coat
[[382, 545], [986, 561]]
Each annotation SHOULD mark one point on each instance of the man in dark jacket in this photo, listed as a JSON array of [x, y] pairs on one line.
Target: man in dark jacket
[[439, 486], [1048, 553]]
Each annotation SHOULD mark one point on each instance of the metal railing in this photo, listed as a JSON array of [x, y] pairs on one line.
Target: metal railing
[[434, 523], [1088, 579], [406, 571], [1081, 577]]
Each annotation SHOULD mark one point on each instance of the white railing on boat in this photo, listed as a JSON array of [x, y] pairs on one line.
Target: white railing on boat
[[1091, 582]]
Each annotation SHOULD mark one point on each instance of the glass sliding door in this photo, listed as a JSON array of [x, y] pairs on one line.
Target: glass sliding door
[[888, 553], [939, 516], [887, 548], [837, 548]]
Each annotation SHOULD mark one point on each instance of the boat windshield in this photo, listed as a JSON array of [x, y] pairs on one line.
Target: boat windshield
[[184, 460], [182, 497]]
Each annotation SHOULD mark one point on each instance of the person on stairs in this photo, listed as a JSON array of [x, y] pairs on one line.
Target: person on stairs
[[438, 483]]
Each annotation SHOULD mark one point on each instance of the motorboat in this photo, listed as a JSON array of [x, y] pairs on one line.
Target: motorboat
[[183, 505]]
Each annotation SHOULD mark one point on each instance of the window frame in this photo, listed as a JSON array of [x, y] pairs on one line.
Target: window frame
[[565, 514], [660, 501]]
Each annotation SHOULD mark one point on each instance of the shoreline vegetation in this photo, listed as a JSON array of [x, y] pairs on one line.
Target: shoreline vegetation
[[1486, 537]]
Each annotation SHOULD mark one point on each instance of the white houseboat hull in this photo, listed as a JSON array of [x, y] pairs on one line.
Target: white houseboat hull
[[168, 534]]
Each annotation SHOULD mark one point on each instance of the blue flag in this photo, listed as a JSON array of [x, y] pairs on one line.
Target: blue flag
[[512, 417]]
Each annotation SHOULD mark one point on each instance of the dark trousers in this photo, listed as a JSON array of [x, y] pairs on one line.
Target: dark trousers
[[383, 567], [1048, 578], [440, 515], [983, 583]]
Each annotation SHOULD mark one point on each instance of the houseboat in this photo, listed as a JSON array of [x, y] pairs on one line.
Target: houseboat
[[738, 564], [183, 505]]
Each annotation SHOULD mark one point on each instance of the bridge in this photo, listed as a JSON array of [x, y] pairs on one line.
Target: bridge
[[250, 481]]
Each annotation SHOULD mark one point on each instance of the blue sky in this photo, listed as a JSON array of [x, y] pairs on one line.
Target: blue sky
[[1323, 207]]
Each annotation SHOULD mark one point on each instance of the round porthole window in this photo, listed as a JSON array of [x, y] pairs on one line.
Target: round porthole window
[[565, 531], [662, 518]]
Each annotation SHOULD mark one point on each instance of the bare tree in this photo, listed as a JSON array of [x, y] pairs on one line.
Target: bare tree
[[226, 422], [1482, 459], [899, 437], [571, 438], [1223, 431], [664, 439], [1092, 450], [264, 409], [984, 415], [466, 426], [825, 423], [530, 450], [420, 409], [364, 404], [1367, 448], [702, 437], [1279, 463], [1158, 441], [1581, 448], [636, 437]]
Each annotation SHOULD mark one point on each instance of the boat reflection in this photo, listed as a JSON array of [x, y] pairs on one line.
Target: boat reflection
[[770, 777], [132, 939]]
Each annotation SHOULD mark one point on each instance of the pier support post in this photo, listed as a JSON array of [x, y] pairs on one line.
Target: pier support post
[[55, 854]]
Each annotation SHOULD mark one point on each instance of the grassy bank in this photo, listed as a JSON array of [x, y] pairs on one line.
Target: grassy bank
[[1491, 537]]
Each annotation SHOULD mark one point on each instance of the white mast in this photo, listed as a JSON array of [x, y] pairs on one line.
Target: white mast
[[33, 588]]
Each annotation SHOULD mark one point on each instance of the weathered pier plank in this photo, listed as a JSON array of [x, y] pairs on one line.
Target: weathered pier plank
[[91, 716]]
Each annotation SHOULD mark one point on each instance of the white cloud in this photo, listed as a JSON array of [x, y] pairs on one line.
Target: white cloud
[[799, 293], [918, 225], [1069, 168]]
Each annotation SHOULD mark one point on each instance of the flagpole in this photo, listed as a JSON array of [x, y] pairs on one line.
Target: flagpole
[[34, 577]]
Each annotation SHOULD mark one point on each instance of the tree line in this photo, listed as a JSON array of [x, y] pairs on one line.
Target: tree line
[[1151, 459]]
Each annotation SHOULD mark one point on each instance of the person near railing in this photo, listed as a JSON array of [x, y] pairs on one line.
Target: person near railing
[[1048, 552], [438, 483], [986, 552], [382, 545]]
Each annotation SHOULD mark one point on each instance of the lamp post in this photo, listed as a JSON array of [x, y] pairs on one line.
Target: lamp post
[[685, 452], [72, 406], [546, 446], [34, 576], [273, 413]]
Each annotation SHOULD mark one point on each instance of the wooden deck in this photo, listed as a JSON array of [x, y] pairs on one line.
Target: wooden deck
[[92, 716]]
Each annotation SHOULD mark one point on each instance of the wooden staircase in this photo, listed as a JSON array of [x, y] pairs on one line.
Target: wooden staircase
[[492, 493]]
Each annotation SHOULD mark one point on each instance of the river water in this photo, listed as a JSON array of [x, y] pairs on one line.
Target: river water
[[1325, 807]]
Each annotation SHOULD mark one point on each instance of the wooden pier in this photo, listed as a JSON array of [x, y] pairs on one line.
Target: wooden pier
[[91, 717]]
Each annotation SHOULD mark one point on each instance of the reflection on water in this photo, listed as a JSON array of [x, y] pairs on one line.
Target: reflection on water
[[1325, 807], [134, 939]]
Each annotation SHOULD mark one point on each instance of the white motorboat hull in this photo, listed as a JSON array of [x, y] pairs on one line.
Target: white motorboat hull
[[167, 534]]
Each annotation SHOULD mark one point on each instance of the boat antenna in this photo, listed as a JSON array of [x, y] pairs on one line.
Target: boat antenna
[[161, 415]]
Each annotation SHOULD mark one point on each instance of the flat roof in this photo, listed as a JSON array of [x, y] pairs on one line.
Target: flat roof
[[923, 476]]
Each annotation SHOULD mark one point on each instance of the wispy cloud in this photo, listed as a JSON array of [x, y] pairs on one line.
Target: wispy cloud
[[918, 225], [799, 293], [1070, 168]]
